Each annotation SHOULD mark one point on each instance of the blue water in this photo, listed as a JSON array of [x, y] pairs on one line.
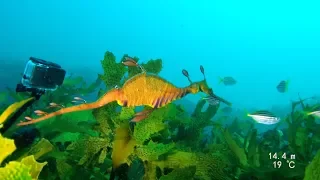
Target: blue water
[[259, 44]]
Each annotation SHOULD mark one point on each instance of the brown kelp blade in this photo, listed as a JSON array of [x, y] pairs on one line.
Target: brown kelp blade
[[123, 145], [12, 109]]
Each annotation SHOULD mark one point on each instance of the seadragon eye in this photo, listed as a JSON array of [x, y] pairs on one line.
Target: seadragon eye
[[116, 87]]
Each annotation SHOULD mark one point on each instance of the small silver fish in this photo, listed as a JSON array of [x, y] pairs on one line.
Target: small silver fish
[[128, 61], [52, 105], [227, 81], [28, 118], [282, 87], [264, 117], [79, 99], [212, 100], [40, 113]]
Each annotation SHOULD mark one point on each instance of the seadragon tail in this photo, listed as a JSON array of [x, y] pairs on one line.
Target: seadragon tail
[[107, 98]]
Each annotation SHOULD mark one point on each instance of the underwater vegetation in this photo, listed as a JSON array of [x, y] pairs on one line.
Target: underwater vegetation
[[169, 144]]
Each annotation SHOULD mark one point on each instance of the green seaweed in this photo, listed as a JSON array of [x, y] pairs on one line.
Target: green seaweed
[[312, 171], [186, 173], [239, 152], [152, 151], [170, 143], [113, 71]]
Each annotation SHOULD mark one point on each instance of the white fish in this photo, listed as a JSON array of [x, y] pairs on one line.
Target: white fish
[[264, 117], [315, 113]]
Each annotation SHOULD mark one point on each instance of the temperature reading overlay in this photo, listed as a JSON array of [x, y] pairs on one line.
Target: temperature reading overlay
[[281, 159], [278, 164]]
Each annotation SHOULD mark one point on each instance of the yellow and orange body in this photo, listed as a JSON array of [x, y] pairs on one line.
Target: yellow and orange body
[[149, 90], [141, 90]]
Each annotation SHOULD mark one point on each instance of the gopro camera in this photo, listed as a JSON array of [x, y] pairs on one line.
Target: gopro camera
[[40, 76]]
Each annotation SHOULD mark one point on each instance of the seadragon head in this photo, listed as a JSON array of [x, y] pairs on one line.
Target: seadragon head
[[203, 87], [200, 86]]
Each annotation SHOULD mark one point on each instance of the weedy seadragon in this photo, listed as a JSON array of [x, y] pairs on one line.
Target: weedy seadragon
[[142, 89]]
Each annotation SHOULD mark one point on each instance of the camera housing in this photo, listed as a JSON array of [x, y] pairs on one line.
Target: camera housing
[[42, 75]]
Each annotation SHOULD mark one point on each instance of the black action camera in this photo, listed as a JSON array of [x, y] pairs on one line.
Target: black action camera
[[40, 76]]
